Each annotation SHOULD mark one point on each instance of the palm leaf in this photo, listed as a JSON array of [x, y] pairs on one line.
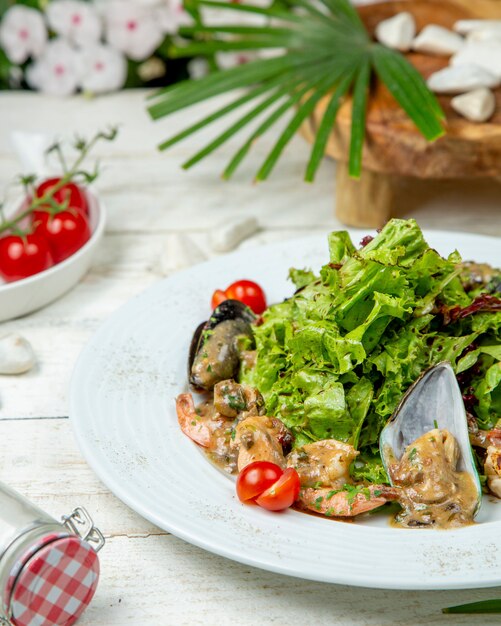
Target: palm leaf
[[326, 125], [483, 606], [360, 93], [322, 49]]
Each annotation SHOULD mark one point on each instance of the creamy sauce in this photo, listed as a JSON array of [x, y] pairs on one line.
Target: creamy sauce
[[434, 493]]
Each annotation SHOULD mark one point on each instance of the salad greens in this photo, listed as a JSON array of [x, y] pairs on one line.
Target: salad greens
[[334, 360]]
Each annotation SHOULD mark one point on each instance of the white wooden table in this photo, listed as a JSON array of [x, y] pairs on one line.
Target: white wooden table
[[151, 578]]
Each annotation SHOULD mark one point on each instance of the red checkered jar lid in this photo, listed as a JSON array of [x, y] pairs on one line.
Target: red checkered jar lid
[[55, 584]]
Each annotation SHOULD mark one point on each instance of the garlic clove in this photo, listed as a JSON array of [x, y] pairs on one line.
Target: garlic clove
[[438, 40], [461, 78], [178, 253], [464, 27], [397, 32], [487, 54], [16, 354], [477, 106], [227, 235]]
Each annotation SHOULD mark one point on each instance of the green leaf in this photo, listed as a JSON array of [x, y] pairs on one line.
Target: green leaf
[[409, 90], [254, 93], [234, 128], [190, 92], [484, 606], [303, 112], [325, 128], [262, 128], [360, 93]]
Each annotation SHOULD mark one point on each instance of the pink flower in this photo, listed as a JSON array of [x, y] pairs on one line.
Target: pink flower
[[76, 20], [171, 15], [22, 33], [101, 68], [132, 29], [56, 72]]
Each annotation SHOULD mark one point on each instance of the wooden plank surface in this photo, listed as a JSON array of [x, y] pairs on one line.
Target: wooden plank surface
[[149, 577]]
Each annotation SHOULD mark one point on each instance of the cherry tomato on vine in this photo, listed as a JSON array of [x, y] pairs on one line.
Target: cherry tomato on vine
[[23, 256], [66, 232], [70, 194], [247, 291], [282, 494], [256, 478]]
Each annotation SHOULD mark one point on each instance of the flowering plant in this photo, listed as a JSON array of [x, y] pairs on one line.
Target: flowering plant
[[62, 46]]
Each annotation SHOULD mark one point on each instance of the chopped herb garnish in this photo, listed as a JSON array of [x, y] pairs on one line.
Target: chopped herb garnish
[[412, 454], [435, 423], [318, 502]]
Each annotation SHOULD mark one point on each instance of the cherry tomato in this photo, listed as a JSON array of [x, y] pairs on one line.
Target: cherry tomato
[[65, 232], [283, 493], [217, 297], [21, 257], [69, 193], [247, 291], [256, 478]]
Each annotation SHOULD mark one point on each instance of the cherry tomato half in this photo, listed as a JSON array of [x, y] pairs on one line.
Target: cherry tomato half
[[217, 297], [247, 291], [283, 493], [69, 193], [65, 232], [256, 478], [21, 257]]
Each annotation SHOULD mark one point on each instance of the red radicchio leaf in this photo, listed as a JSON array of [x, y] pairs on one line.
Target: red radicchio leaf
[[483, 302]]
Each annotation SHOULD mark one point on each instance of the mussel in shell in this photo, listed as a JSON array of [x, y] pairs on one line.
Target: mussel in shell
[[425, 448], [214, 352]]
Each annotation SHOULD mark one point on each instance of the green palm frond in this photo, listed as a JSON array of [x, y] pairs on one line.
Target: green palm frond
[[321, 50]]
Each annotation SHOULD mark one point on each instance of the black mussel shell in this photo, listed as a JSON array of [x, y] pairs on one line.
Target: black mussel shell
[[228, 310]]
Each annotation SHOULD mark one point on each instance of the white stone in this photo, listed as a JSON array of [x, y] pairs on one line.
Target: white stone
[[487, 54], [397, 32], [484, 34], [179, 252], [461, 78], [16, 354], [463, 27], [477, 106], [227, 235], [438, 40]]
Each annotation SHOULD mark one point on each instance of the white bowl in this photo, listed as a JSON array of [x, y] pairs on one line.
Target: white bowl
[[29, 294]]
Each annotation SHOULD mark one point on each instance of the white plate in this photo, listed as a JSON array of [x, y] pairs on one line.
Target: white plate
[[30, 294], [122, 411]]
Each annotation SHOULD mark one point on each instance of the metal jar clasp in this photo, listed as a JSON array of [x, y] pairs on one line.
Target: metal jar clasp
[[80, 523]]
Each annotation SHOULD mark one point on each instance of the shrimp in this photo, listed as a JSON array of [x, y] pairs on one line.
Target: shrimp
[[324, 463], [348, 502], [492, 468], [260, 438], [208, 428], [491, 441]]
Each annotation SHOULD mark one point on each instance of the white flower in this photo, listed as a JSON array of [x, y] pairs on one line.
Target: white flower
[[22, 33], [171, 15], [198, 67], [132, 29], [56, 72], [76, 20], [101, 68], [218, 17], [227, 60]]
